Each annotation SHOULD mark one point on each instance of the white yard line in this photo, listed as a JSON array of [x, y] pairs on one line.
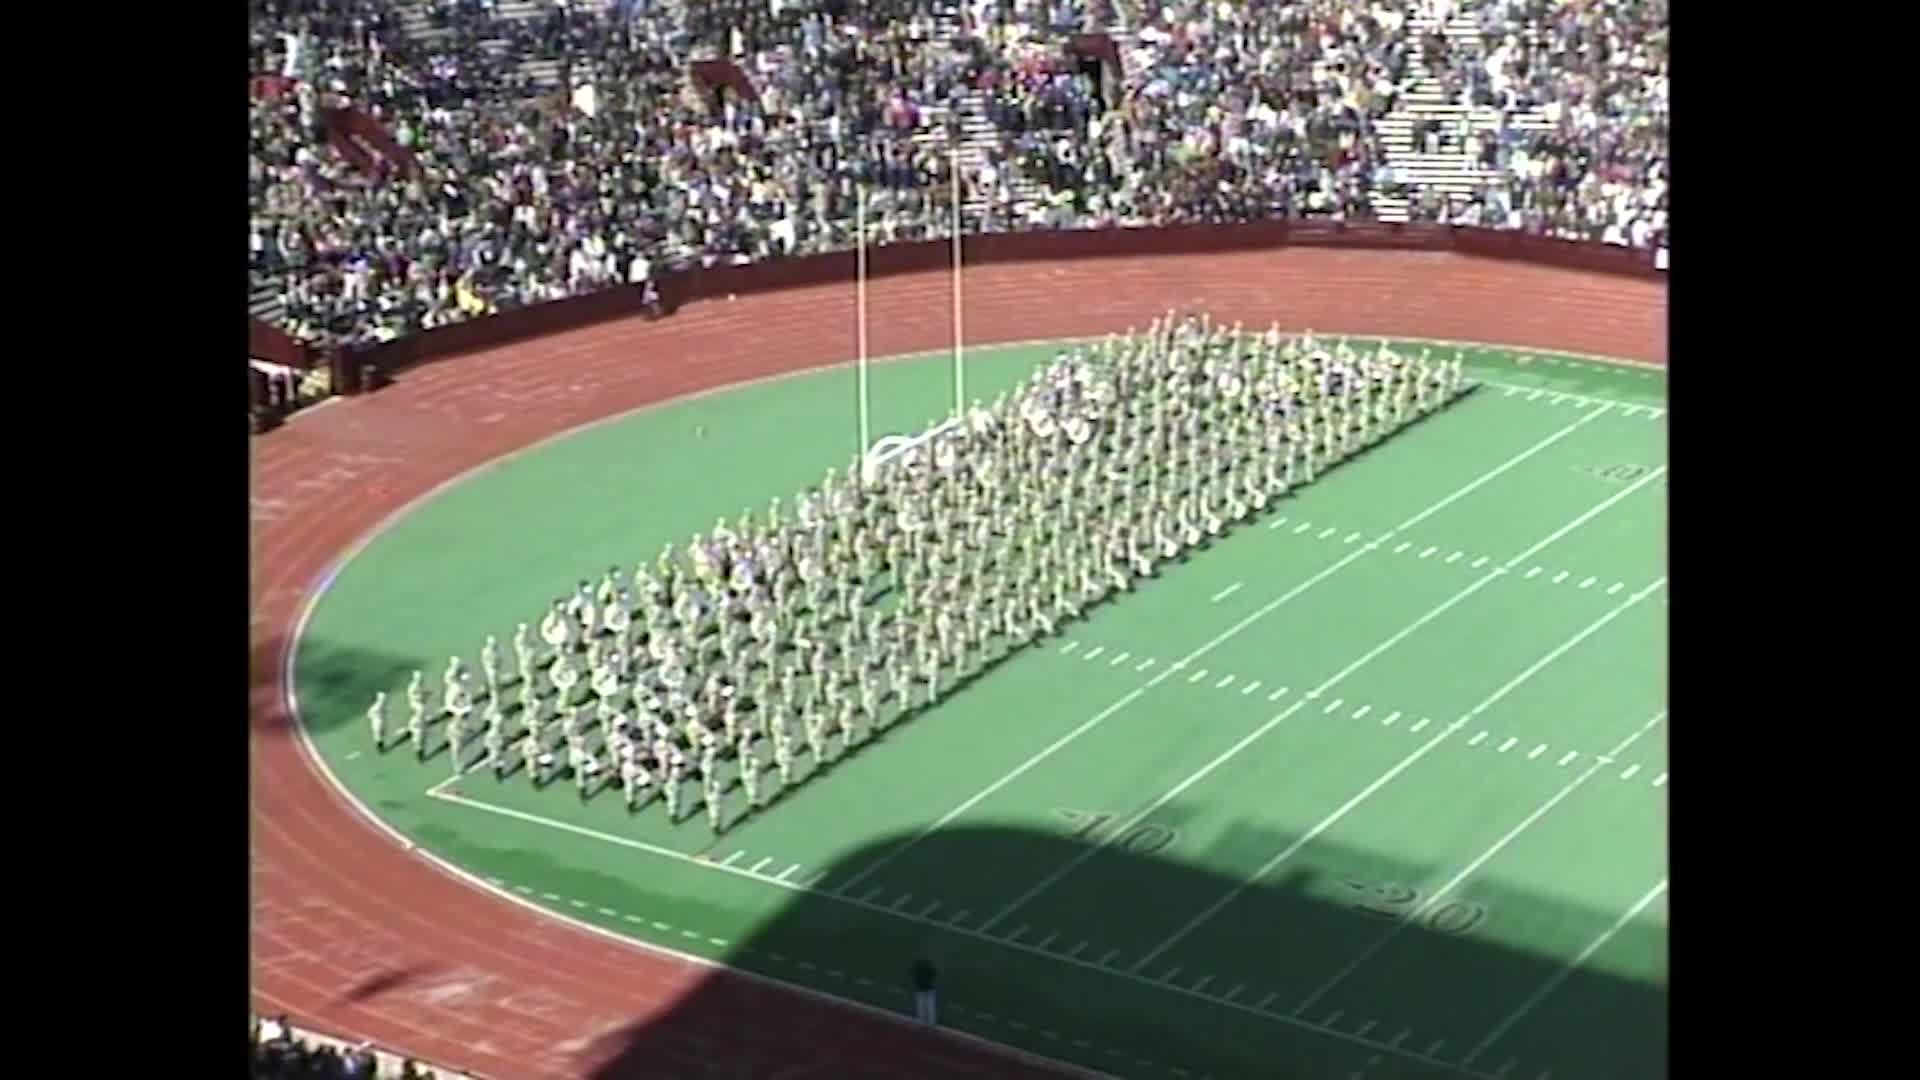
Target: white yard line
[[1429, 552], [1365, 658], [1220, 639], [1562, 975], [1401, 766], [1539, 750], [950, 926], [1438, 895], [1550, 356]]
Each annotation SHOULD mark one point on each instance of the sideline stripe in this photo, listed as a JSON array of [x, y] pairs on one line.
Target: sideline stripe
[[979, 933], [321, 766]]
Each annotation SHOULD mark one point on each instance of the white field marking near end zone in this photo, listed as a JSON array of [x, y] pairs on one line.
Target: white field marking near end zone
[[1231, 632], [1561, 976], [290, 701], [950, 927], [1440, 736], [1440, 894], [1365, 658]]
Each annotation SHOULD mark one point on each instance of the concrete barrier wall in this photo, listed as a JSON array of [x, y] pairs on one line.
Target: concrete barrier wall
[[680, 287]]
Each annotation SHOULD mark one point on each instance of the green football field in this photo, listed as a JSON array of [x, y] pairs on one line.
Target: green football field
[[1375, 786]]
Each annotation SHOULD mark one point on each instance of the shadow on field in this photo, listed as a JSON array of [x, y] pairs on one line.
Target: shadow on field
[[1436, 975], [333, 682], [1051, 975]]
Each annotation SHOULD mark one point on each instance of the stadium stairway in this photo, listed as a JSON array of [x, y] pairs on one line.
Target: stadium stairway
[[545, 74], [979, 137], [1450, 170], [972, 134], [415, 23], [264, 300]]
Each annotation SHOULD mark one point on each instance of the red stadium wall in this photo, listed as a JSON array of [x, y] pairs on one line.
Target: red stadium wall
[[266, 341], [1488, 247], [351, 127]]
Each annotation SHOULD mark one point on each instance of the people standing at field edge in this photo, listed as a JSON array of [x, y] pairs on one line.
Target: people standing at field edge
[[925, 991]]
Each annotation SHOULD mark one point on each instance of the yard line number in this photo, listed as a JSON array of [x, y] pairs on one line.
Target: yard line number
[[1392, 900], [1617, 473], [1143, 839]]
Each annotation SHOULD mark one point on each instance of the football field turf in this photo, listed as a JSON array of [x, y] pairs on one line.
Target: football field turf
[[1375, 785]]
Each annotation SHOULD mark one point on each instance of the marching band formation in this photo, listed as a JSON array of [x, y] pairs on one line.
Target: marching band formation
[[787, 641]]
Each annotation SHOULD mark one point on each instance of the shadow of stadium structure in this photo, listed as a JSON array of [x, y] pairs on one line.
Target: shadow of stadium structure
[[1457, 986], [1602, 1027]]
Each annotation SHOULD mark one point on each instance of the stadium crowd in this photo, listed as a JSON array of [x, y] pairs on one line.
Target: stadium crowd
[[1598, 73], [277, 1052], [1233, 112], [512, 193]]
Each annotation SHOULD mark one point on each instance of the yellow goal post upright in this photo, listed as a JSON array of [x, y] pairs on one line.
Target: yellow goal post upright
[[876, 455], [863, 421], [959, 325]]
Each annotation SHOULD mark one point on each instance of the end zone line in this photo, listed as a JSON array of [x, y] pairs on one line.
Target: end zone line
[[708, 963], [971, 932], [1232, 631], [480, 884]]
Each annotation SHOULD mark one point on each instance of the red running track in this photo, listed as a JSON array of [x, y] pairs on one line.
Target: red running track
[[355, 935]]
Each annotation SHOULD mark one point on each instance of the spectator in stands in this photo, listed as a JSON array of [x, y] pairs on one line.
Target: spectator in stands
[[278, 1054], [1234, 112], [1581, 94], [571, 151]]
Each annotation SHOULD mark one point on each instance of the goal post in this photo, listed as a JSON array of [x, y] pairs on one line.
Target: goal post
[[862, 408], [891, 448], [876, 454], [959, 325]]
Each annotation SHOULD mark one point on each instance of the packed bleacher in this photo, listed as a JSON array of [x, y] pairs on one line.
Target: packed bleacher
[[1596, 75], [555, 148], [276, 1050], [1234, 112]]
